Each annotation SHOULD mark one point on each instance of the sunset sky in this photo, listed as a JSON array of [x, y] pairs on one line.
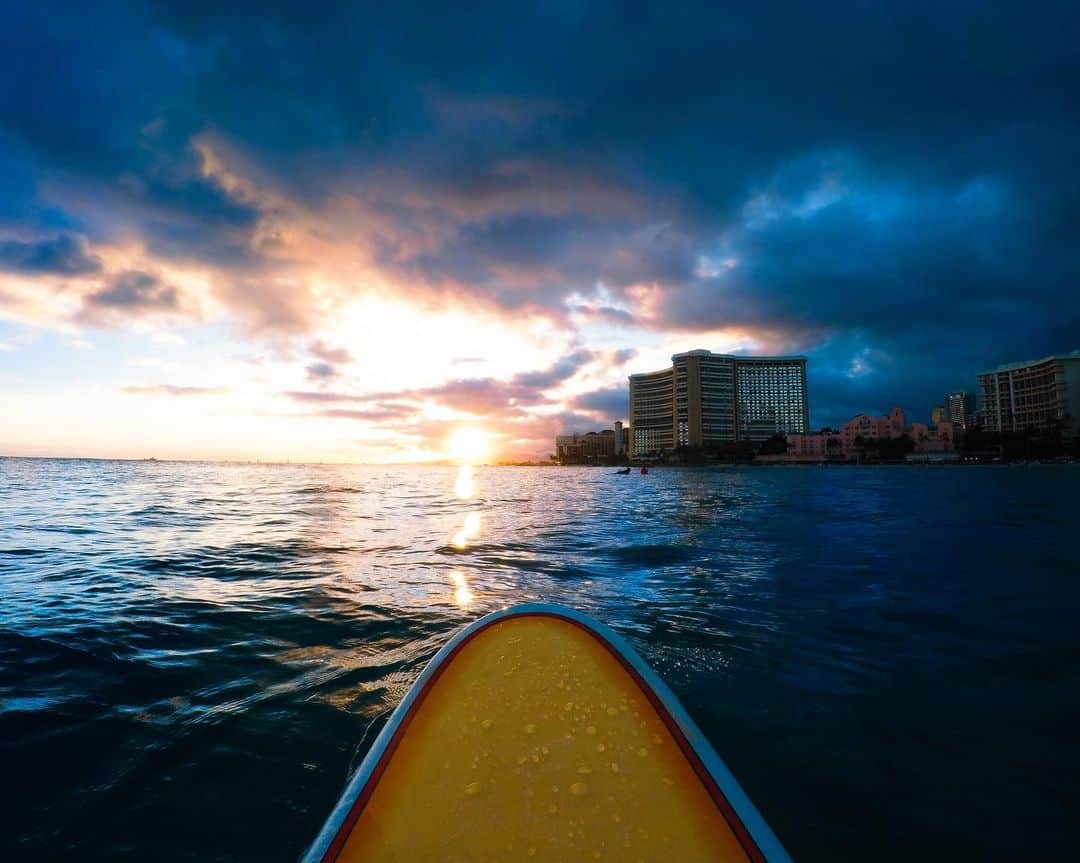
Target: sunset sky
[[314, 231]]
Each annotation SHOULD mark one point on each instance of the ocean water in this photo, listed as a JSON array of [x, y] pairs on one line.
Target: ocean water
[[193, 657]]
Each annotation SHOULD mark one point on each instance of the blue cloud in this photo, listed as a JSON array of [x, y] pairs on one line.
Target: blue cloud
[[610, 404], [64, 255]]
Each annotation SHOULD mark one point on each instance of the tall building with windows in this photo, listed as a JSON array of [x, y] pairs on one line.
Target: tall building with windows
[[771, 396], [707, 398], [960, 410], [652, 412], [1032, 395]]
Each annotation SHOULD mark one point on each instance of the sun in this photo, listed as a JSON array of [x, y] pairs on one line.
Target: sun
[[469, 445]]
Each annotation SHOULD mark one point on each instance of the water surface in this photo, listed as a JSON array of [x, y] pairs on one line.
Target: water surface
[[193, 657]]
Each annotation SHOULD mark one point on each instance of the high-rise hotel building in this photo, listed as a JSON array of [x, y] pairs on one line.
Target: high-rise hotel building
[[707, 398], [1032, 395], [960, 410]]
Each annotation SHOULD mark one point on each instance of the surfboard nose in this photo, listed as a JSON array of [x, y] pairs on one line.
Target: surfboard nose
[[537, 733]]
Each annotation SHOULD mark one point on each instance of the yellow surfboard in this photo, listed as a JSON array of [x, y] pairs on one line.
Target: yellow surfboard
[[537, 733]]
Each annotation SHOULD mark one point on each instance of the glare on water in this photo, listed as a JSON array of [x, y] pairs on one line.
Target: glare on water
[[465, 486], [463, 596], [468, 531]]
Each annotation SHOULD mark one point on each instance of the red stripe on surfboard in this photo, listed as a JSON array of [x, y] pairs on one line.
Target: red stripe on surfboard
[[732, 818], [739, 830]]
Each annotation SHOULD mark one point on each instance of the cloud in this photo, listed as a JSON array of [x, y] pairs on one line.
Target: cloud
[[173, 390], [321, 371], [137, 291], [320, 396], [611, 403], [494, 397], [132, 293], [376, 414], [268, 304], [64, 255], [480, 396], [328, 360], [600, 314], [502, 404], [556, 374], [320, 350]]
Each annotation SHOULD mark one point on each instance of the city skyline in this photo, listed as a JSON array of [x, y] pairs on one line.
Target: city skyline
[[696, 402], [424, 233]]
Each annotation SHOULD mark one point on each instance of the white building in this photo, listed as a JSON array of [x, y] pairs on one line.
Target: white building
[[1032, 395]]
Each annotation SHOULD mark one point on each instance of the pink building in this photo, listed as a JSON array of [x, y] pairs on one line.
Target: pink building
[[826, 445], [893, 425], [873, 428], [939, 439], [815, 447], [894, 422]]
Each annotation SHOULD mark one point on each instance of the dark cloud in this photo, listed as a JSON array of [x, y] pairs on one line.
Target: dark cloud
[[860, 272], [127, 294], [106, 116], [62, 255], [862, 255], [609, 404], [592, 313], [557, 373]]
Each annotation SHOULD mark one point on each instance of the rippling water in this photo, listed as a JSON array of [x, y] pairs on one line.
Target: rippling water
[[194, 656]]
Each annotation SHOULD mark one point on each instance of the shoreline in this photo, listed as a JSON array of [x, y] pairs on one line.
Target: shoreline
[[551, 464]]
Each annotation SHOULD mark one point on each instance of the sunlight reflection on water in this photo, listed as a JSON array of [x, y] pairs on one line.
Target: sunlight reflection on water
[[463, 596], [465, 485], [465, 488], [469, 530]]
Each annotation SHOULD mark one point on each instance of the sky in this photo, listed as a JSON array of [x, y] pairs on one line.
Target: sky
[[325, 232]]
